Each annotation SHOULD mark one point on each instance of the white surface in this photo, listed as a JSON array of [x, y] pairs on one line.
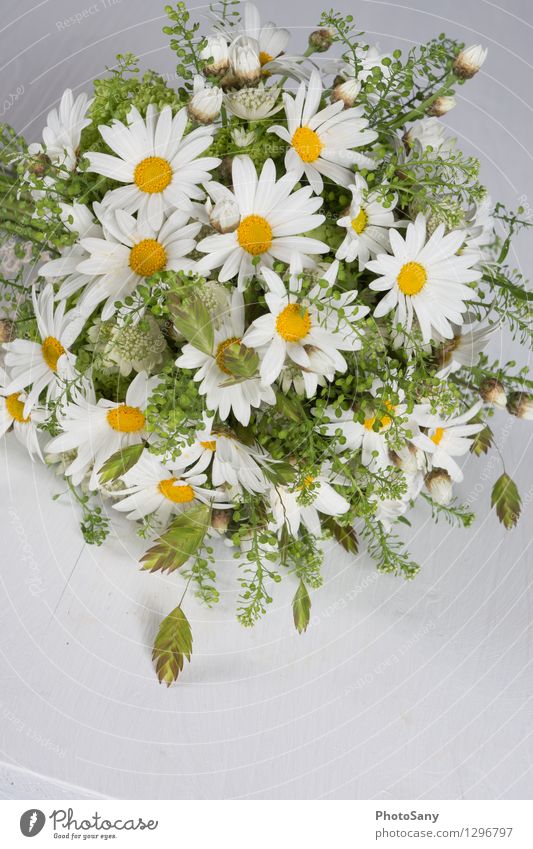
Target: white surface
[[397, 690]]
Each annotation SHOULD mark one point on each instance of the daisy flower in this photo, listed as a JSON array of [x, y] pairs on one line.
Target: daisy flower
[[447, 438], [79, 219], [271, 42], [254, 103], [155, 488], [12, 414], [49, 363], [232, 462], [294, 326], [425, 279], [213, 375], [61, 136], [98, 430], [272, 217], [161, 167], [464, 349], [128, 252], [367, 224], [322, 140], [303, 504]]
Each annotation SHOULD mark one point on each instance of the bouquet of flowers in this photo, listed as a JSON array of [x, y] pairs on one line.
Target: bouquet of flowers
[[256, 305]]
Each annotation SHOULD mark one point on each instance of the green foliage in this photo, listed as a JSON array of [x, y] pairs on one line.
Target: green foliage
[[192, 319], [345, 535], [173, 645], [457, 515], [120, 462], [185, 41], [506, 499], [301, 608], [180, 541]]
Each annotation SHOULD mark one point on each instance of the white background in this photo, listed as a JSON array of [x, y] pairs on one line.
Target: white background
[[398, 690]]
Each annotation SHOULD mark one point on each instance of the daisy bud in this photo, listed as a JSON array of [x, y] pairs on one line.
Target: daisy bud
[[215, 50], [225, 216], [242, 138], [441, 106], [244, 60], [468, 62], [40, 165], [321, 40], [7, 330], [206, 102], [439, 486], [520, 405], [347, 92], [220, 519], [407, 460], [492, 391]]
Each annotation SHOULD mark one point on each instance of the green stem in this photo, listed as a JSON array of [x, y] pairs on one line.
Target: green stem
[[422, 108]]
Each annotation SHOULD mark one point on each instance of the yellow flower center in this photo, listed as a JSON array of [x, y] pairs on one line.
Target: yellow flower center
[[384, 421], [254, 234], [153, 174], [437, 436], [176, 494], [15, 408], [359, 222], [210, 445], [52, 349], [306, 144], [293, 323], [147, 257], [126, 419], [307, 482], [412, 278], [265, 58], [219, 356]]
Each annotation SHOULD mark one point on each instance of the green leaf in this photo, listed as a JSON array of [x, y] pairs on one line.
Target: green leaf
[[344, 535], [506, 499], [172, 645], [279, 472], [193, 320], [119, 462], [301, 608], [179, 542], [241, 361], [289, 407], [482, 441]]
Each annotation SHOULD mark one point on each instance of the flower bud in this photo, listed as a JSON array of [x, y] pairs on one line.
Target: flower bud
[[520, 405], [225, 216], [7, 330], [220, 519], [242, 138], [347, 92], [244, 60], [408, 459], [468, 62], [439, 485], [40, 165], [206, 102], [441, 106], [321, 40], [216, 50], [492, 391]]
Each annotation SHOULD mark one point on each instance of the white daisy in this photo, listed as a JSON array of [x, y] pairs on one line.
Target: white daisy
[[47, 364], [255, 103], [161, 167], [304, 503], [231, 461], [12, 414], [271, 42], [128, 252], [98, 430], [155, 488], [464, 349], [447, 438], [425, 279], [294, 326], [368, 58], [79, 219], [367, 224], [322, 141], [61, 136], [214, 377], [272, 217]]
